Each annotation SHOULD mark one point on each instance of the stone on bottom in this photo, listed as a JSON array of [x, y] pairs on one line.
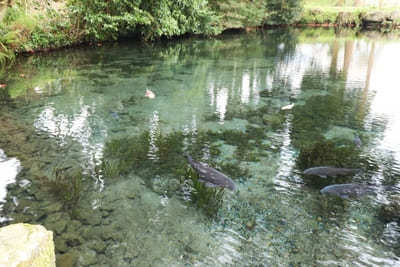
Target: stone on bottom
[[23, 245]]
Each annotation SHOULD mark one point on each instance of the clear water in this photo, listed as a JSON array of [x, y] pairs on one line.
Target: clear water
[[222, 101]]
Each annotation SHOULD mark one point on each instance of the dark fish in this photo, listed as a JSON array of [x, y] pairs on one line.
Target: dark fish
[[348, 190], [210, 176], [330, 171]]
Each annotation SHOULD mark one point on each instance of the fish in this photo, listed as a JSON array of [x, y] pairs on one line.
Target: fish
[[149, 94], [348, 190], [325, 171], [287, 107], [210, 176]]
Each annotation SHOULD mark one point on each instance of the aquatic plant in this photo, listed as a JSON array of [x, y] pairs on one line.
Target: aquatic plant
[[208, 199], [66, 184], [156, 154]]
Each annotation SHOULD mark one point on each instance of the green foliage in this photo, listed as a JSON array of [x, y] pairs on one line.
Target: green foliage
[[318, 16], [240, 14], [172, 18], [152, 19], [283, 11], [106, 20]]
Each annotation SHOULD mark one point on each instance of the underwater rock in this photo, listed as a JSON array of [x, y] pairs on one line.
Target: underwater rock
[[54, 207], [211, 176], [90, 217], [88, 257], [59, 227], [60, 245], [348, 190], [98, 245], [68, 259], [325, 171], [72, 239], [273, 120]]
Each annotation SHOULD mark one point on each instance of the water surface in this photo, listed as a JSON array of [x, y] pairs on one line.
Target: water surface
[[89, 157]]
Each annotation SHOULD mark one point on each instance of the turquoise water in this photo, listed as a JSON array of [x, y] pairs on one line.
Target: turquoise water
[[86, 154]]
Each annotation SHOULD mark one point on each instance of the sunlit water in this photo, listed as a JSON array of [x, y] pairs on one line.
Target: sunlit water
[[223, 98]]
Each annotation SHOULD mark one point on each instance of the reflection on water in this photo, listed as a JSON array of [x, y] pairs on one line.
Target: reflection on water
[[9, 169], [222, 101]]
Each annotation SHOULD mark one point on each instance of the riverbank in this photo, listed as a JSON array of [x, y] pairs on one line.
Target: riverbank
[[385, 19], [30, 26]]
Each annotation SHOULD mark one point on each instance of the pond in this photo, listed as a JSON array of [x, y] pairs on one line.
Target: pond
[[85, 153]]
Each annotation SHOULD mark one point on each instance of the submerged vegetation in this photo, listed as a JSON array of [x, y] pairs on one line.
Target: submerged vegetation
[[153, 156], [66, 184], [208, 199]]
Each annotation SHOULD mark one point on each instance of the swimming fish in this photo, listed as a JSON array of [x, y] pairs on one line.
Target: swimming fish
[[348, 190], [325, 171], [211, 176], [149, 94]]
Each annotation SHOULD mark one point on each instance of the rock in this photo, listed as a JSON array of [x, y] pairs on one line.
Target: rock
[[68, 259], [374, 17], [61, 245], [54, 207], [98, 245], [74, 226], [88, 257], [57, 222], [59, 227], [26, 245], [90, 217], [72, 239]]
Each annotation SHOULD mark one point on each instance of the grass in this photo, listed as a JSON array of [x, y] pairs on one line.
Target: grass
[[341, 13]]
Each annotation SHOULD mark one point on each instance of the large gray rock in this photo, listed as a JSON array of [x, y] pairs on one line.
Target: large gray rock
[[374, 17], [26, 245]]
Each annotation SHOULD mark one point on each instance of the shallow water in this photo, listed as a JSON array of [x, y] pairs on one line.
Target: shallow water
[[103, 166]]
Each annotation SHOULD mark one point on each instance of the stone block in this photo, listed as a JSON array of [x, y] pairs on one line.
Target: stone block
[[23, 245]]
